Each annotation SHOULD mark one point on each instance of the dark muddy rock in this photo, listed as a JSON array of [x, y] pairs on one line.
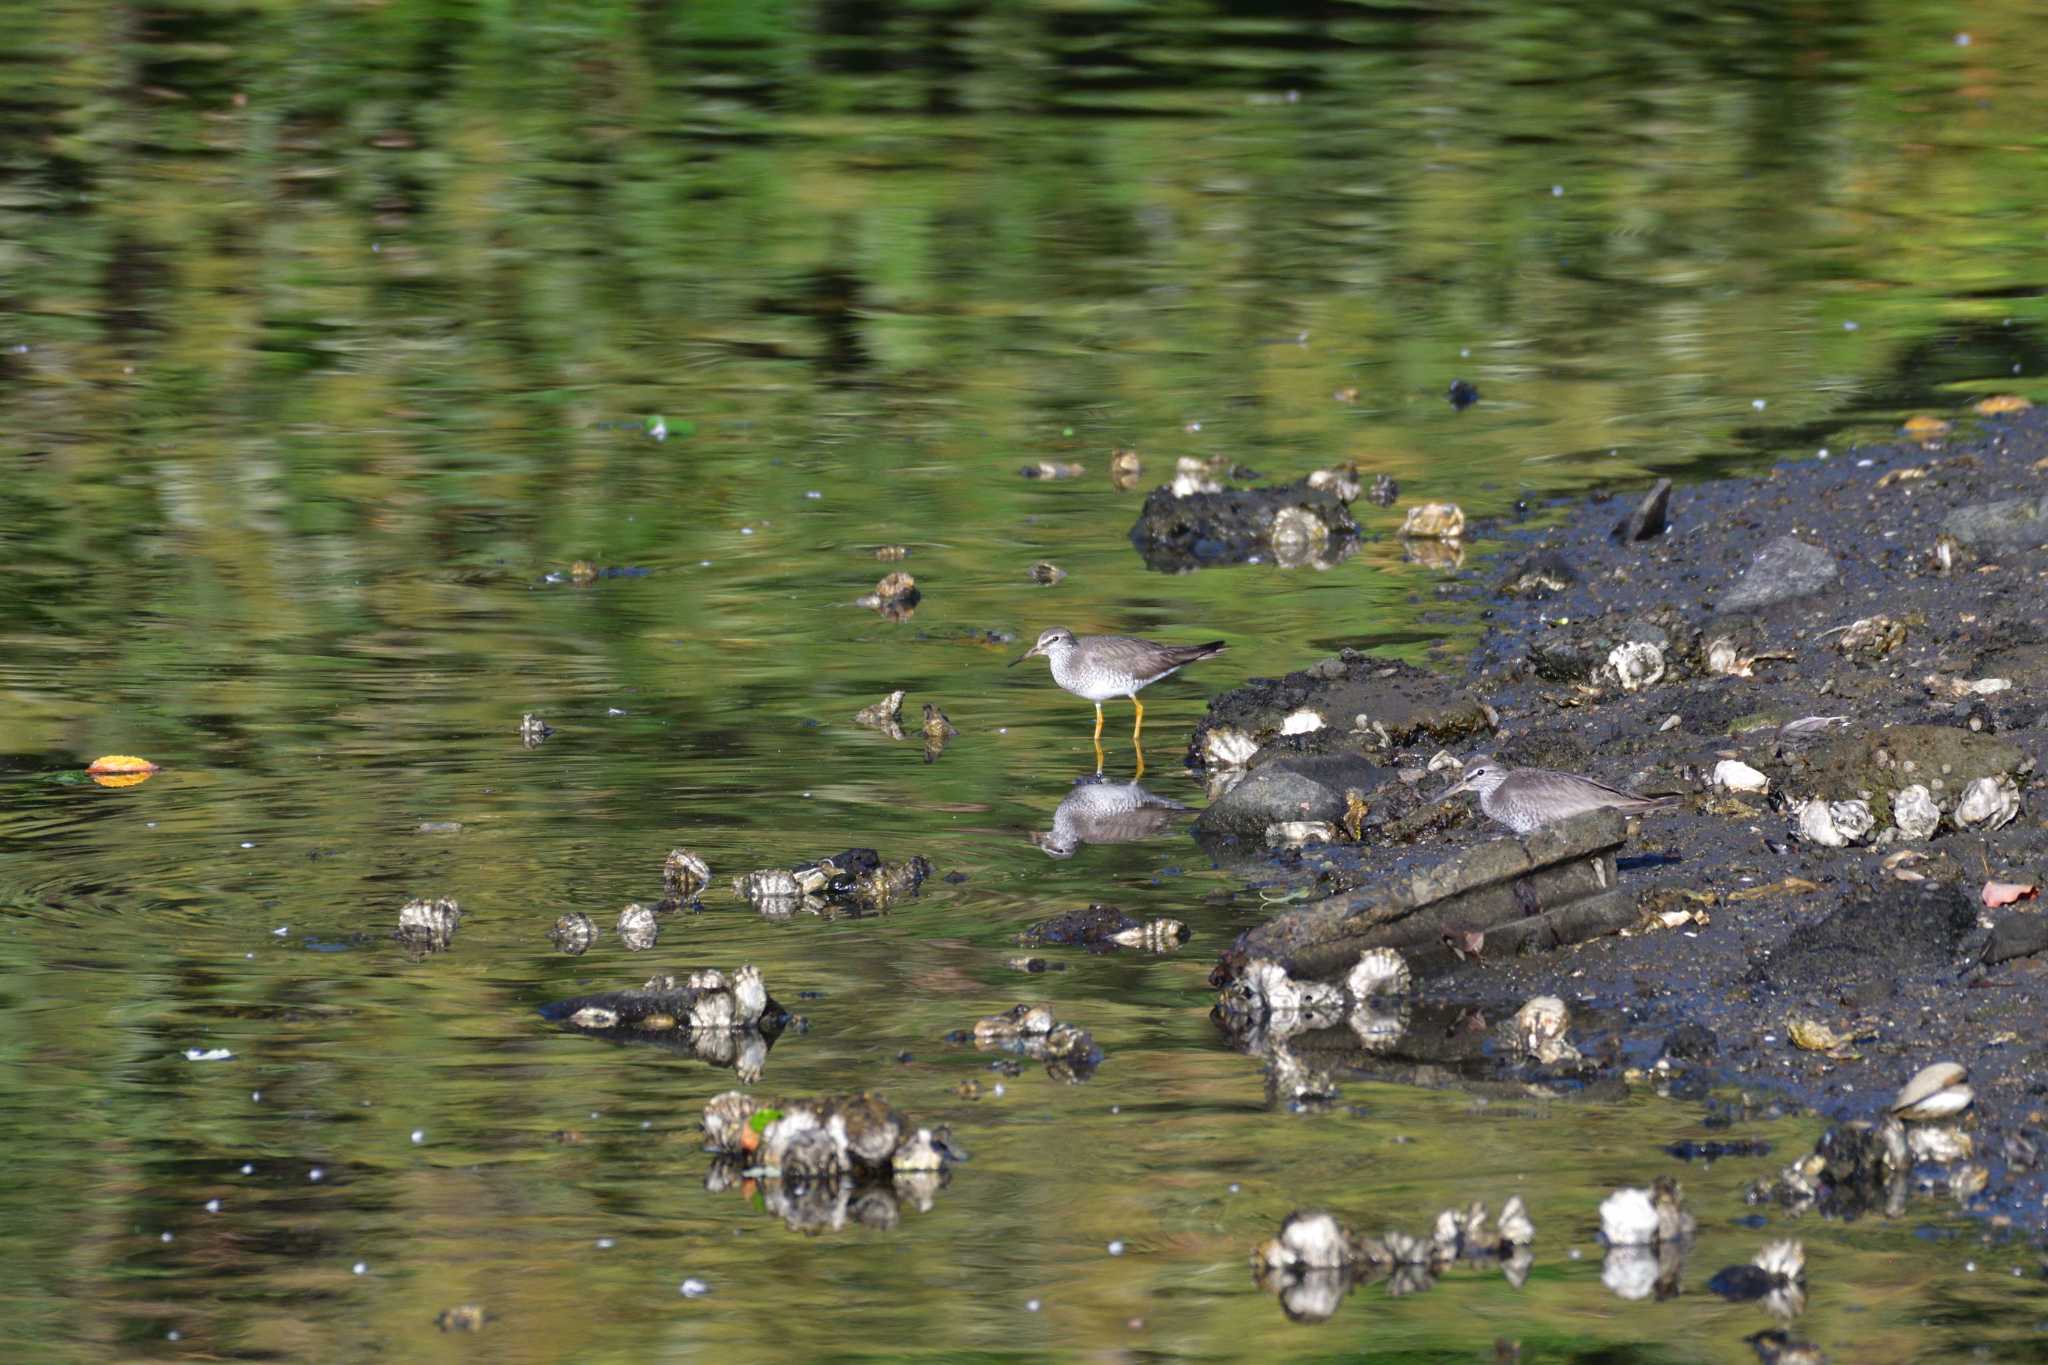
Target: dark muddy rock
[[1537, 575], [1104, 928], [724, 1020], [1893, 929], [1873, 765], [2006, 525], [1293, 524], [1691, 1042], [1784, 570], [1651, 516], [1317, 709]]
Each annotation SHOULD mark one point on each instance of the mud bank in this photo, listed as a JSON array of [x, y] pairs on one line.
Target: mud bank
[[1867, 637]]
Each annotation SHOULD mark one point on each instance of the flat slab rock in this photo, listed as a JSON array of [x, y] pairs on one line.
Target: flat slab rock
[[1409, 703], [1784, 570], [1555, 886]]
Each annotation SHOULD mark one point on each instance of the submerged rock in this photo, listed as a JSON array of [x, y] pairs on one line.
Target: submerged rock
[[725, 1020], [684, 874], [429, 926], [1434, 521], [1103, 928], [573, 933], [1314, 1260], [1069, 1053], [895, 597], [638, 928], [885, 715], [1176, 533], [533, 731]]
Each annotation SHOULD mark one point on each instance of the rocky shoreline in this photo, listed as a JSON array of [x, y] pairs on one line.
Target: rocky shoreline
[[1841, 667]]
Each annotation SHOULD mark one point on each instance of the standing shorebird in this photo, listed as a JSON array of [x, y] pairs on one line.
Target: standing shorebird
[[1525, 799], [1098, 667]]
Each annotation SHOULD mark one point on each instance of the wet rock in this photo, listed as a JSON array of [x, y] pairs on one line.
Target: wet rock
[[1069, 1053], [684, 874], [1314, 1260], [1104, 928], [573, 933], [767, 884], [1053, 469], [1869, 765], [1359, 696], [1384, 492], [885, 715], [429, 926], [2007, 525], [895, 597], [638, 928], [1880, 934], [1784, 570], [1463, 394], [1288, 790], [1777, 1277], [937, 730], [1537, 575], [888, 883], [1650, 517], [533, 731], [1691, 1042], [1046, 573], [1103, 812], [1434, 521], [1174, 534], [1988, 803], [724, 1020], [1125, 470], [1341, 480], [467, 1317]]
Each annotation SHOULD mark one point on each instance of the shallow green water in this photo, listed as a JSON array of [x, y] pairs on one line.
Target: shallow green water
[[330, 333]]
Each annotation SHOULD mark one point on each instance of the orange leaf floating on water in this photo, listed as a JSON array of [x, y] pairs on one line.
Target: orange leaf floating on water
[[1924, 428], [2001, 404], [2006, 893], [122, 764], [121, 779]]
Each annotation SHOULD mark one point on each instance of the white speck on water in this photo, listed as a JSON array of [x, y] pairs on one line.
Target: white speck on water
[[248, 1169], [1116, 1109], [595, 1114], [1031, 1305], [1464, 353], [149, 824], [703, 563], [746, 530], [1970, 1266], [166, 1237], [1194, 426], [280, 931], [1865, 464], [1962, 40], [606, 1243], [174, 1335], [1848, 326], [813, 494], [360, 1268], [1236, 1188], [1823, 452], [999, 1090], [646, 1124], [247, 844], [1002, 729], [613, 711], [693, 1289], [208, 1054], [1757, 403], [419, 1135], [1557, 191], [1115, 1248], [807, 796], [316, 1174], [1572, 1255], [255, 1097], [213, 1206]]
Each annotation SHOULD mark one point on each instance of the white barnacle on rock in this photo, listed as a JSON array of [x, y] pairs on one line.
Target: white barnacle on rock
[[712, 1010], [1434, 521], [1915, 812], [1268, 983], [706, 979], [1516, 1227], [918, 1151], [1302, 722], [1733, 775], [595, 1016], [1636, 665], [1628, 1218], [749, 995], [1193, 476], [1378, 971], [1542, 1020], [1782, 1260], [1726, 661], [1988, 803], [1834, 824], [769, 883], [1939, 1145], [1226, 747], [725, 1119], [1314, 1240]]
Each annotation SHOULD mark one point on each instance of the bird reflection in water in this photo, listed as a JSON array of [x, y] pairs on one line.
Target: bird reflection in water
[[1102, 812]]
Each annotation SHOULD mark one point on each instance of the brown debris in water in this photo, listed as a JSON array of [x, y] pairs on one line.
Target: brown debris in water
[[895, 597], [885, 715]]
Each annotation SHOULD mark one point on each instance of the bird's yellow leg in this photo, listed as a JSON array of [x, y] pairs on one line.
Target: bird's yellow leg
[[1140, 723], [1141, 758], [1098, 725], [1098, 757]]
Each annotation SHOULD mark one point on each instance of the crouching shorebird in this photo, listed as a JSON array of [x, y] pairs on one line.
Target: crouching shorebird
[[1525, 799], [1098, 667]]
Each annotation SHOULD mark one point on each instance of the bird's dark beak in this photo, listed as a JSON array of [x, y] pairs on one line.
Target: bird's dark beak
[[1025, 655], [1463, 784]]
